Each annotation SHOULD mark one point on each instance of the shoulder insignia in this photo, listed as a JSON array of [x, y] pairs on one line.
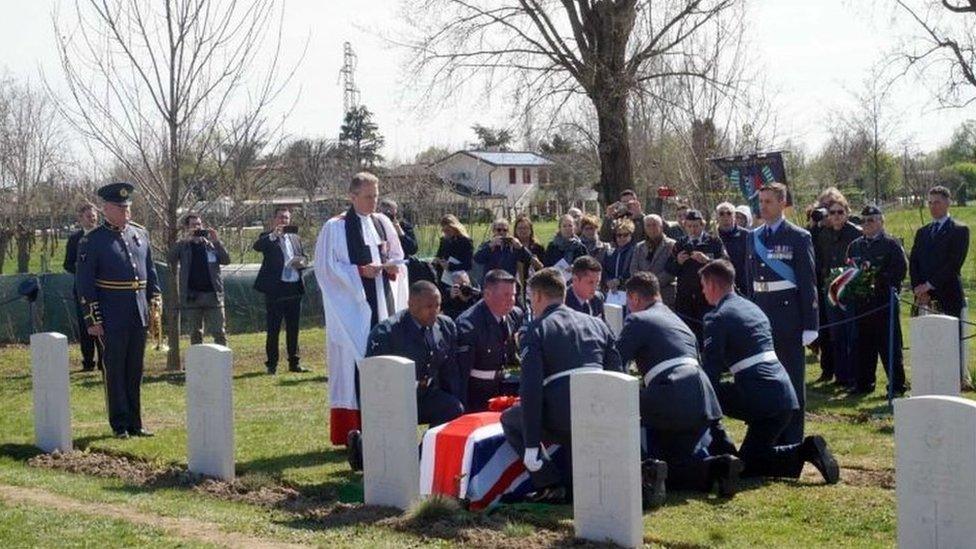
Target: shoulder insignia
[[136, 225]]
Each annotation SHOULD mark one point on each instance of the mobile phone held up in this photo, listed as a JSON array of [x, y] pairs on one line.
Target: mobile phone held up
[[290, 229]]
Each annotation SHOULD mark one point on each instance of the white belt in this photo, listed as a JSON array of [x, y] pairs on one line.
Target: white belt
[[768, 356], [660, 367], [774, 286], [565, 373], [487, 375]]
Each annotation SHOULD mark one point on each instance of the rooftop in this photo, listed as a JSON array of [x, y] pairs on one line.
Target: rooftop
[[506, 158]]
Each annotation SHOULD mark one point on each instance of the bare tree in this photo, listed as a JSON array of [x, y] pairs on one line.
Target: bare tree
[[157, 84], [548, 53], [944, 53]]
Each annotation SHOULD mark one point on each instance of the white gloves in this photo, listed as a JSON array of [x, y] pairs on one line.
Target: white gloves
[[809, 336], [532, 460]]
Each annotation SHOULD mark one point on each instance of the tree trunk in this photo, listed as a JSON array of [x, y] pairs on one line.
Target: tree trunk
[[616, 172], [171, 309]]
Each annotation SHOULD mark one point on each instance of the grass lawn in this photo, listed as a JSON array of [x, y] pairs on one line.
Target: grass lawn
[[282, 439]]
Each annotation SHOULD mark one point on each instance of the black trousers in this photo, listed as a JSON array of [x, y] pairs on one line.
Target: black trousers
[[89, 348], [123, 355], [762, 455], [824, 345], [549, 474], [872, 342], [289, 309], [436, 406]]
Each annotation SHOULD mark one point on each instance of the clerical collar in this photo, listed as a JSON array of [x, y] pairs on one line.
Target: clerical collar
[[362, 216]]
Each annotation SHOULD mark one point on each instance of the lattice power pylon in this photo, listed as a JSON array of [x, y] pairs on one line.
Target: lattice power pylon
[[350, 93]]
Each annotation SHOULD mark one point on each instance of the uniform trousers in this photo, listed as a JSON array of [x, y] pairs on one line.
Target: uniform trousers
[[124, 350], [555, 429], [873, 341], [761, 452], [89, 349], [436, 406]]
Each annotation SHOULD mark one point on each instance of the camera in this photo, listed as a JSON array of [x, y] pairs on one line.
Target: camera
[[686, 247], [818, 215], [201, 233], [290, 229], [468, 291]]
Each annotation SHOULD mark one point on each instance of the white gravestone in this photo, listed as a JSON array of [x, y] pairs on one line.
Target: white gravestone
[[52, 404], [210, 410], [935, 355], [606, 458], [935, 472], [615, 317], [388, 404]]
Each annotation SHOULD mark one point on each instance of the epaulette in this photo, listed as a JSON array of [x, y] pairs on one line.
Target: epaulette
[[136, 225]]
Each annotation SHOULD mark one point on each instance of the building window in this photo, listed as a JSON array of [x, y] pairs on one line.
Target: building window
[[527, 176], [543, 176], [512, 177]]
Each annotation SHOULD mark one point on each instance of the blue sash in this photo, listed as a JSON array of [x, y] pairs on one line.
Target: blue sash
[[782, 269]]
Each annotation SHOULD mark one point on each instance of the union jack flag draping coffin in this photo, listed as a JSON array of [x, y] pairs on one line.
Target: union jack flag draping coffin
[[469, 459]]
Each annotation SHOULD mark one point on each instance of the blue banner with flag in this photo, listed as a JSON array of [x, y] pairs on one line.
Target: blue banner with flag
[[750, 172]]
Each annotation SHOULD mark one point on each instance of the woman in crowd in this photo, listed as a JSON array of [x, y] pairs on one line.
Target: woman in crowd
[[590, 237], [456, 249], [616, 265], [652, 254], [565, 246], [525, 232]]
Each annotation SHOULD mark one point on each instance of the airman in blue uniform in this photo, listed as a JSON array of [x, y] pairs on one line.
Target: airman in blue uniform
[[739, 340], [583, 294], [785, 289], [486, 341], [678, 404], [116, 283], [556, 344]]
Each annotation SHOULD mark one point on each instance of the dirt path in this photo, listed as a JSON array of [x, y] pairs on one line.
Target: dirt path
[[206, 532]]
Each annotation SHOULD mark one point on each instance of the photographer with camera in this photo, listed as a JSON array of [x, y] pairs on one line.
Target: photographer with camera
[[459, 296], [628, 207], [502, 251], [199, 255], [690, 254]]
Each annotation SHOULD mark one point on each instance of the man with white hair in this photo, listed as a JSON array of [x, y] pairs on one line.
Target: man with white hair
[[577, 215], [360, 269]]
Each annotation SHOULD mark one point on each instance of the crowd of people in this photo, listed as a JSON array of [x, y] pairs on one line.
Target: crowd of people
[[716, 322]]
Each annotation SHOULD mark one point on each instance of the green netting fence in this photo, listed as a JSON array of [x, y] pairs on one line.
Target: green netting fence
[[54, 309]]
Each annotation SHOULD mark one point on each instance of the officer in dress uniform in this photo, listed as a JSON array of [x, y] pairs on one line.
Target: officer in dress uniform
[[421, 334], [116, 284], [785, 289], [583, 294], [883, 254], [557, 343], [689, 254], [486, 342], [88, 220], [677, 402], [738, 340]]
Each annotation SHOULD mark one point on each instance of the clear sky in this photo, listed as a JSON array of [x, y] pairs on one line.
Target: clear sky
[[814, 54]]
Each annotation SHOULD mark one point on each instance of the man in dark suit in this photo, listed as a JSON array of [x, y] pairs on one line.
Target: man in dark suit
[[280, 280], [678, 405], [557, 343], [583, 294], [739, 340], [486, 341], [784, 287], [88, 220], [736, 241], [421, 334], [689, 254], [201, 285], [118, 289], [937, 257], [877, 334]]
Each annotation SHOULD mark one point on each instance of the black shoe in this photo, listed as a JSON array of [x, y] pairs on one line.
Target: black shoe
[[141, 433], [727, 469], [354, 447], [297, 368], [824, 378], [653, 475], [122, 434], [272, 370], [88, 368], [552, 495], [861, 391], [814, 450]]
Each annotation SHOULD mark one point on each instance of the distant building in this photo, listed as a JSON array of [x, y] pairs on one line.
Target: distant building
[[516, 176]]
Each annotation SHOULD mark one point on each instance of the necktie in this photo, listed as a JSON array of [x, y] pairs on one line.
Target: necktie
[[429, 339], [767, 232], [935, 228], [503, 326]]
